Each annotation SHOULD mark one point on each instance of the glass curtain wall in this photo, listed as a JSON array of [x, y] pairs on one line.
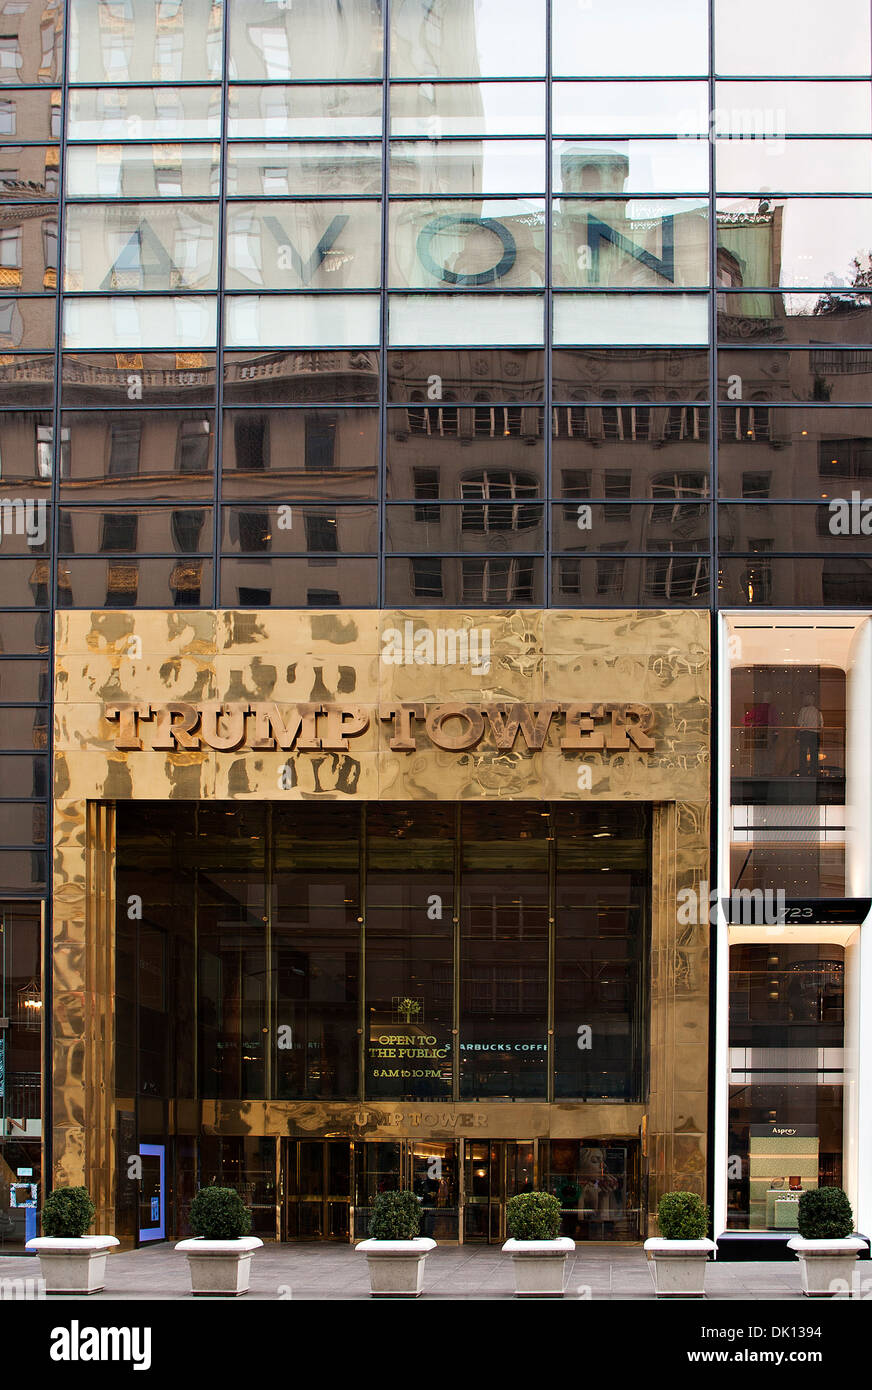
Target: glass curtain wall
[[31, 122], [348, 290], [242, 934], [21, 1042]]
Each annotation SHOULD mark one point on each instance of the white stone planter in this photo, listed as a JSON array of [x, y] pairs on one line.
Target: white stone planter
[[219, 1268], [73, 1264], [679, 1266], [396, 1267], [539, 1266], [826, 1266]]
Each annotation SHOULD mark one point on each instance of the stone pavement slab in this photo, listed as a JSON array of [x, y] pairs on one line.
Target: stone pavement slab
[[330, 1272]]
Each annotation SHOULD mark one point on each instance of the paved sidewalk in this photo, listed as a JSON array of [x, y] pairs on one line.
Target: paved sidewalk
[[326, 1272]]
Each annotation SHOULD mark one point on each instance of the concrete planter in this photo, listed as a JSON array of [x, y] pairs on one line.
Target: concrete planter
[[539, 1266], [826, 1266], [678, 1266], [396, 1267], [219, 1268], [73, 1264]]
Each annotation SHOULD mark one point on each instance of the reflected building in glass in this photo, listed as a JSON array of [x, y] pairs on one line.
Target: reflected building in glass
[[435, 596]]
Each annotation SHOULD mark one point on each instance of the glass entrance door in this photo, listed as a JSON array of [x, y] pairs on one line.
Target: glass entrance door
[[427, 1167], [377, 1169], [317, 1177], [492, 1173], [432, 1174], [481, 1191]]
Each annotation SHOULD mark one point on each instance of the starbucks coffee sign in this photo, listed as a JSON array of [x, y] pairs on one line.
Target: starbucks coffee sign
[[179, 726]]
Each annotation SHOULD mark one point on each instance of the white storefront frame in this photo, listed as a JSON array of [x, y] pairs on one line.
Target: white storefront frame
[[856, 657]]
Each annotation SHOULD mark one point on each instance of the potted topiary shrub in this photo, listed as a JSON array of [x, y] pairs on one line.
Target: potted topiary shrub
[[539, 1252], [70, 1261], [680, 1253], [219, 1255], [826, 1246], [394, 1251]]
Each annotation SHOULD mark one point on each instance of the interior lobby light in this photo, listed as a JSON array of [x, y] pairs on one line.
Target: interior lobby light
[[30, 1004]]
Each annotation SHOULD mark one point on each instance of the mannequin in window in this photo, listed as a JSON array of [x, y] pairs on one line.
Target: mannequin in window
[[809, 723]]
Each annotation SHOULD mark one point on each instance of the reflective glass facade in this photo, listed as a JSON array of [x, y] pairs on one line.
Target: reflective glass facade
[[425, 931]]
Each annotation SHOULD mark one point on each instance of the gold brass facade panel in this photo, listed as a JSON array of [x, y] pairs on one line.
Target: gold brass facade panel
[[108, 658], [100, 1019], [677, 1113], [70, 1013], [413, 1119], [371, 660], [83, 993]]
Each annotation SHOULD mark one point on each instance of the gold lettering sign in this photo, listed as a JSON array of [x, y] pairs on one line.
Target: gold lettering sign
[[185, 727]]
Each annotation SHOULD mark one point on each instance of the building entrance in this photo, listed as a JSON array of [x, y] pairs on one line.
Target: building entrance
[[316, 1189], [328, 1186], [493, 1172], [363, 978]]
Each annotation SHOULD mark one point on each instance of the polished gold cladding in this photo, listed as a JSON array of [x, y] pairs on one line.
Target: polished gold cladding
[[524, 705], [390, 705]]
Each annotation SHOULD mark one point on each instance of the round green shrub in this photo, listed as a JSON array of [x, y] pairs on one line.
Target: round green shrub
[[219, 1213], [533, 1216], [825, 1214], [395, 1216], [67, 1211], [682, 1216]]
